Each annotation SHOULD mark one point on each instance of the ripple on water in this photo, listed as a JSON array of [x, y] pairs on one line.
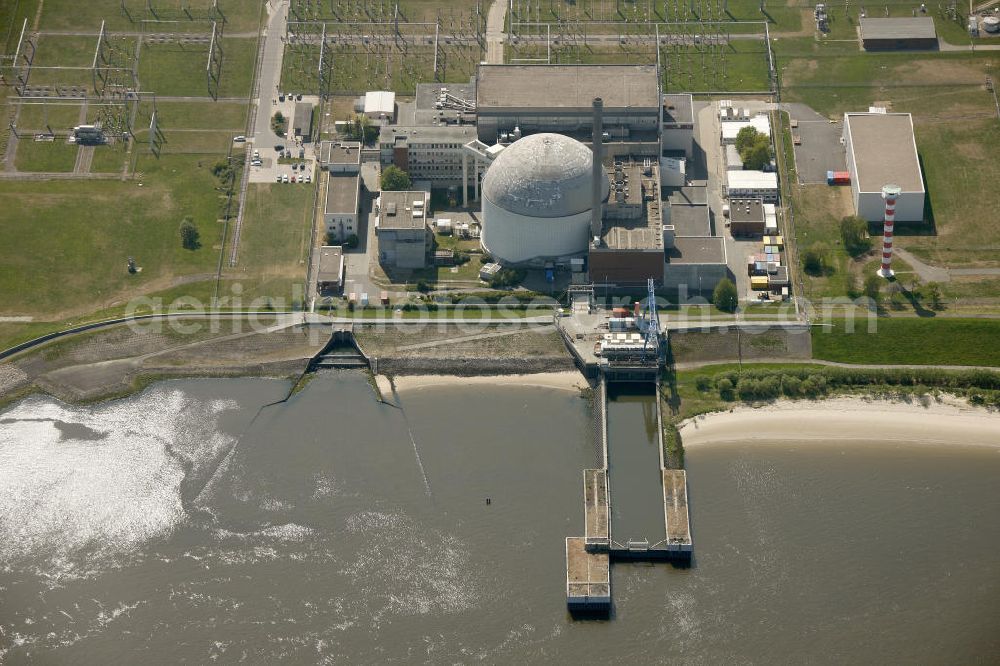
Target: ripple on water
[[71, 507]]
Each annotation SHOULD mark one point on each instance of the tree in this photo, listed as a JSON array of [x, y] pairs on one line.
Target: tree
[[854, 234], [758, 154], [746, 138], [423, 286], [360, 128], [933, 291], [815, 260], [190, 238], [353, 241], [873, 288], [725, 297], [394, 179]]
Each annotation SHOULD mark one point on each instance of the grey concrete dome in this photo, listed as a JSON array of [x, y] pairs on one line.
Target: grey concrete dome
[[542, 175]]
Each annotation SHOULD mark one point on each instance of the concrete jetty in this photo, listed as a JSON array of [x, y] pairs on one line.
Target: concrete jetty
[[597, 509], [588, 578]]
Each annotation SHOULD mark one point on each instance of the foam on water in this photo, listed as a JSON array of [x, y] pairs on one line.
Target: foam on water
[[73, 507]]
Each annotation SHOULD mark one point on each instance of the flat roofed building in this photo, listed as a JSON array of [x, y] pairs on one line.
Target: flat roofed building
[[330, 276], [761, 185], [340, 212], [695, 264], [746, 217], [340, 156], [302, 121], [882, 34], [431, 152], [678, 123], [380, 105], [558, 98], [402, 230], [881, 150], [631, 247]]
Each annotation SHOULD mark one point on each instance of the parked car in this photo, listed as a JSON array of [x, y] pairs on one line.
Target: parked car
[[284, 178], [299, 97], [239, 139], [293, 177], [281, 97], [256, 154], [309, 178], [278, 178], [279, 147], [302, 153]]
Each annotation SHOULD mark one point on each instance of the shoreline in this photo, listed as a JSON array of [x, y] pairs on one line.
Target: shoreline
[[952, 422], [568, 380]]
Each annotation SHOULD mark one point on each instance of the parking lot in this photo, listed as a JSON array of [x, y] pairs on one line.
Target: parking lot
[[295, 162], [819, 149]]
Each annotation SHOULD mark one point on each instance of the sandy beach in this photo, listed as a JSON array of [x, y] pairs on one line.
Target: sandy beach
[[951, 421], [567, 381]]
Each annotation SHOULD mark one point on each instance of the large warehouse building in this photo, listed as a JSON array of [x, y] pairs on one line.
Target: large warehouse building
[[557, 98], [537, 199], [895, 34], [881, 150]]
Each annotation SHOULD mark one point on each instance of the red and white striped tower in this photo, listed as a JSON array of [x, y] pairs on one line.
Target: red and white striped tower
[[890, 193]]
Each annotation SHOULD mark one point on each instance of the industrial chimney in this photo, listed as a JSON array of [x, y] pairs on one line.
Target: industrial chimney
[[890, 193], [596, 212]]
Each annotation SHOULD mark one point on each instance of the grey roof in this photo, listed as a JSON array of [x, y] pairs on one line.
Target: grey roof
[[567, 86], [678, 108], [884, 151], [303, 115], [688, 220], [543, 175], [422, 133], [746, 210], [340, 152], [697, 250], [342, 194], [331, 264], [919, 27], [396, 210]]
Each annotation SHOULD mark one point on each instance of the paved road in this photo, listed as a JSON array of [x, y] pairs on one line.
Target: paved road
[[270, 75], [496, 19]]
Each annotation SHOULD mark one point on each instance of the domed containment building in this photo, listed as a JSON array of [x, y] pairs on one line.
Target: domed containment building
[[537, 199]]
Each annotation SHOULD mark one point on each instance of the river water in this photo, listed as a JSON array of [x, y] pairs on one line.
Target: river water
[[188, 524]]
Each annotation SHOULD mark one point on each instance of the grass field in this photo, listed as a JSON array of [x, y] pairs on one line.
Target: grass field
[[179, 69], [954, 122], [355, 71], [274, 241], [60, 117], [911, 341], [194, 115], [45, 156], [72, 240], [240, 15]]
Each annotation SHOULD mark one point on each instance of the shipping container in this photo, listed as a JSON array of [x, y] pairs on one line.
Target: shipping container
[[758, 282]]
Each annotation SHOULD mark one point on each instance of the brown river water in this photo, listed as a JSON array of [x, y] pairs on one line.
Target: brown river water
[[187, 524]]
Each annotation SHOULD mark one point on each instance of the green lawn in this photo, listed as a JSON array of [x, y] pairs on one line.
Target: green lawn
[[274, 241], [179, 69], [241, 15], [67, 242], [45, 156], [60, 117], [194, 115], [108, 158], [911, 341]]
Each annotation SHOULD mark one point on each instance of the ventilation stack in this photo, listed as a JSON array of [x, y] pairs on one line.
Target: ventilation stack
[[890, 193], [596, 214]]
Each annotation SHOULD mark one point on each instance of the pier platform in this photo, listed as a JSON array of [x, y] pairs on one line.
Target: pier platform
[[675, 511], [588, 578], [596, 509]]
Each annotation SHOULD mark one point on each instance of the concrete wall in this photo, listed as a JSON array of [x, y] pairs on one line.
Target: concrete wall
[[678, 139], [342, 225], [403, 248], [870, 206], [513, 238], [695, 278], [634, 267]]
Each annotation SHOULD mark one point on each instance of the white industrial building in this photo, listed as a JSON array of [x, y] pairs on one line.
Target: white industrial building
[[431, 152], [881, 150], [340, 211], [380, 105], [761, 185], [537, 199], [678, 124]]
